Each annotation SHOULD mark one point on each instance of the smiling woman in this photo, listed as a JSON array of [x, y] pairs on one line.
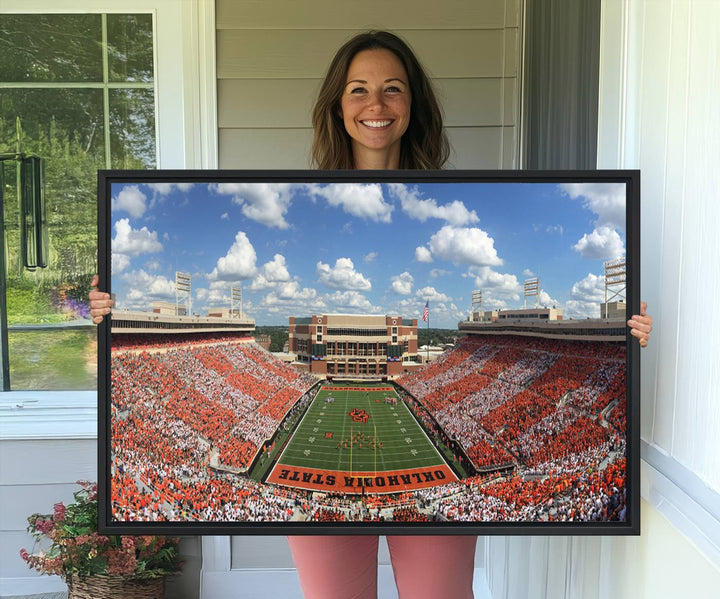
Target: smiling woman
[[375, 108], [365, 104]]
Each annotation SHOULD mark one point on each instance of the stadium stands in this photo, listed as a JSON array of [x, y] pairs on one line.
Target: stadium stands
[[542, 421]]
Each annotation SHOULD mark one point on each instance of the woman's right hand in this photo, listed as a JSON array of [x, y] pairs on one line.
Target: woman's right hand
[[100, 302]]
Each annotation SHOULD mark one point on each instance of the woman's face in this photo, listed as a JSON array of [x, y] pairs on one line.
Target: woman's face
[[375, 107]]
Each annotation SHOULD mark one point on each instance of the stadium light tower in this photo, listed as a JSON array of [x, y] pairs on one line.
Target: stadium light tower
[[235, 296], [532, 287], [476, 306], [183, 291], [615, 276]]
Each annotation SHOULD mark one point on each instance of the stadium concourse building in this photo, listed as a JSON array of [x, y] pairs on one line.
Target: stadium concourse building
[[549, 323], [341, 345], [168, 318]]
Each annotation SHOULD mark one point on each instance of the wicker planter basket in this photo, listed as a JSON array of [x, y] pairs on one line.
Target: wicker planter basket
[[116, 587]]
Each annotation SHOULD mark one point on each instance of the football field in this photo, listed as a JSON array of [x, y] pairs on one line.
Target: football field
[[351, 437]]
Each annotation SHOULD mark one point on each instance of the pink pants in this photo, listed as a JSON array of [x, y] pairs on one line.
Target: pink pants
[[337, 567]]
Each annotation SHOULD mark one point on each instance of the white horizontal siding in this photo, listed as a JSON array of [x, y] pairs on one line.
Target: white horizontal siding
[[271, 59], [334, 14], [270, 54], [288, 103]]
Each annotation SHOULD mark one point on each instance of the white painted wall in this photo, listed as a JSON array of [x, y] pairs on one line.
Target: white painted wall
[[660, 84]]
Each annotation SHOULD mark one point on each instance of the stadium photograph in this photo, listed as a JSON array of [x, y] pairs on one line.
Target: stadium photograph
[[334, 353]]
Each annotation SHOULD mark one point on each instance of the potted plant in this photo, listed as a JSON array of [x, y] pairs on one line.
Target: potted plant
[[95, 566]]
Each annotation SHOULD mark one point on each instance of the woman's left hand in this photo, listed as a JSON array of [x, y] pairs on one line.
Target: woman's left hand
[[641, 325]]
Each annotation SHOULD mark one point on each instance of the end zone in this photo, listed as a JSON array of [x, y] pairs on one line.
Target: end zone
[[326, 481]]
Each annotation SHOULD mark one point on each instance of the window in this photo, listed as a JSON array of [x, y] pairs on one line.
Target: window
[[184, 131], [78, 91]]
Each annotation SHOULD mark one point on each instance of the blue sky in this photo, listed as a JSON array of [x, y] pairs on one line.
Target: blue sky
[[301, 249]]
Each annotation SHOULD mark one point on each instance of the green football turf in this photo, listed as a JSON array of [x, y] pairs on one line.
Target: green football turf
[[405, 444]]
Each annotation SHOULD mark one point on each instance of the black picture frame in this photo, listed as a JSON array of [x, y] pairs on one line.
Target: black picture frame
[[109, 208]]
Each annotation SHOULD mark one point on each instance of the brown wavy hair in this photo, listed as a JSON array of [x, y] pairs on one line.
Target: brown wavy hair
[[423, 146]]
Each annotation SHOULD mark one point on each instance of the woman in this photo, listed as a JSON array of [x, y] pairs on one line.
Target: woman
[[376, 109]]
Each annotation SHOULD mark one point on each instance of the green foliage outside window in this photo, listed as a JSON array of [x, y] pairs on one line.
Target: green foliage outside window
[[82, 89]]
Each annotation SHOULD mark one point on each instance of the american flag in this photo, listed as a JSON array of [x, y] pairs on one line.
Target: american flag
[[426, 311]]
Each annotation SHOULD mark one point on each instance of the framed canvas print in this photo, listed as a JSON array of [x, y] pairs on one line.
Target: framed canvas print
[[385, 352]]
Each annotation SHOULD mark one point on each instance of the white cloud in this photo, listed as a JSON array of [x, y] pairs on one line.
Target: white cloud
[[276, 269], [271, 274], [495, 284], [218, 296], [591, 288], [238, 263], [119, 262], [291, 290], [260, 283], [152, 265], [603, 243], [292, 299], [161, 188], [350, 301], [455, 213], [422, 254], [464, 245], [266, 203], [144, 288], [586, 297], [554, 229], [131, 200], [165, 189], [224, 216], [439, 272], [402, 284], [606, 200], [134, 242], [528, 273], [343, 276], [496, 303], [547, 300], [367, 258], [430, 293], [361, 200]]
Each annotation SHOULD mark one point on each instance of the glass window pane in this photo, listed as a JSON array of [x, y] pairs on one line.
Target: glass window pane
[[54, 359], [130, 48], [52, 343], [132, 128], [72, 115], [40, 48], [65, 127]]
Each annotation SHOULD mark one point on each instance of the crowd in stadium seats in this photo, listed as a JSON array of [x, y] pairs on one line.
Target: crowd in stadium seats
[[545, 405], [542, 421], [505, 403], [150, 341]]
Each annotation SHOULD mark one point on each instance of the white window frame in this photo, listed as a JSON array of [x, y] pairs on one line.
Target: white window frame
[[186, 135]]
